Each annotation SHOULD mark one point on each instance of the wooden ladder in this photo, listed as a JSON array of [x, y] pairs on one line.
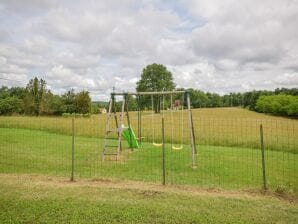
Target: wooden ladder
[[109, 146]]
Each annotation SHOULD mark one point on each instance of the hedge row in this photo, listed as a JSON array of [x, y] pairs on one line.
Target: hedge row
[[278, 104]]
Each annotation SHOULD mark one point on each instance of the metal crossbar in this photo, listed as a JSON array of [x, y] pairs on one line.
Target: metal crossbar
[[148, 93]]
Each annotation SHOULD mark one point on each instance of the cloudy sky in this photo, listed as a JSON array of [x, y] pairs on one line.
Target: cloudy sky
[[213, 45]]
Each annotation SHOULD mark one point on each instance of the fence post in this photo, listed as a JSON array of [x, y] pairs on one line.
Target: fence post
[[263, 158], [163, 154], [192, 134], [73, 150]]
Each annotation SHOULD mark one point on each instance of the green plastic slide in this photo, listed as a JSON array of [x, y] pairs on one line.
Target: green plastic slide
[[130, 137]]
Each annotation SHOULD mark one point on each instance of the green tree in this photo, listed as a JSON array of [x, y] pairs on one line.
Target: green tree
[[56, 105], [36, 88], [83, 102], [293, 91], [155, 77], [292, 109], [45, 104], [214, 100], [95, 108], [28, 102], [19, 92], [250, 99], [198, 98], [10, 105], [278, 104], [4, 92], [132, 103], [69, 101]]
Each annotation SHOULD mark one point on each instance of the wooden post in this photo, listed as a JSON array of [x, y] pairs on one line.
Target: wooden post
[[109, 114], [139, 119], [140, 126], [191, 132], [120, 126], [128, 120], [263, 158]]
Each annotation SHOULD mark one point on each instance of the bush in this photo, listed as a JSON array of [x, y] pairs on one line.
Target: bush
[[87, 115], [292, 109], [278, 104], [10, 105], [66, 115], [77, 115]]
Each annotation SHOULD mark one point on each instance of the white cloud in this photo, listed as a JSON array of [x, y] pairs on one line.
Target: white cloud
[[287, 79], [67, 78], [36, 45], [248, 31], [214, 45]]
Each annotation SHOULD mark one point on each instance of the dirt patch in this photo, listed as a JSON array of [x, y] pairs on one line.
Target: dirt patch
[[144, 189], [102, 180], [149, 193]]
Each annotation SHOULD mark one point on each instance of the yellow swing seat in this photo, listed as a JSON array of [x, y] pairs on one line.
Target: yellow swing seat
[[157, 144], [177, 147]]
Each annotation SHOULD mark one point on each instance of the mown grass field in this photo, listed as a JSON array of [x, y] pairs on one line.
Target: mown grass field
[[42, 199], [35, 168], [41, 152], [215, 126]]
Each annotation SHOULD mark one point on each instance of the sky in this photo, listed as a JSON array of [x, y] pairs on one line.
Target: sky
[[218, 46]]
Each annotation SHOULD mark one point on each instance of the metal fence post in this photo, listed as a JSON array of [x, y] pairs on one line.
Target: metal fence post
[[263, 158], [163, 153], [72, 151]]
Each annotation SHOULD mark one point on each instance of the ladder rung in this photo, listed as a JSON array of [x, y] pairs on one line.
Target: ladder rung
[[112, 150], [110, 154], [111, 146]]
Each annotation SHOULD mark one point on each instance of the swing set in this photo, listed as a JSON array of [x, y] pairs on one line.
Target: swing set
[[135, 141], [162, 105]]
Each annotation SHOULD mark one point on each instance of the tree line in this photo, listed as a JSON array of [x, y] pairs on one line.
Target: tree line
[[247, 99], [280, 101], [156, 77], [36, 99]]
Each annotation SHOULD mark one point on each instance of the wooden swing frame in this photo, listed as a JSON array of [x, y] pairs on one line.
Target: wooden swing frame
[[190, 119]]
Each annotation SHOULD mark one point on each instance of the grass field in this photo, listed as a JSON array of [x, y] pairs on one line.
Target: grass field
[[35, 167], [215, 126], [36, 199], [33, 151]]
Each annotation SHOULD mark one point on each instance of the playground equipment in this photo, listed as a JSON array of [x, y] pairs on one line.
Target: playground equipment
[[130, 137], [152, 119], [176, 105], [126, 132]]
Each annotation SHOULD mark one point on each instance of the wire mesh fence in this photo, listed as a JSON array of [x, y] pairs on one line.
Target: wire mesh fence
[[228, 155]]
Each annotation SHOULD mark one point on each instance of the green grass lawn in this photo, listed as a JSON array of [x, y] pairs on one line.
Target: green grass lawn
[[35, 166], [40, 199], [42, 152], [213, 126]]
